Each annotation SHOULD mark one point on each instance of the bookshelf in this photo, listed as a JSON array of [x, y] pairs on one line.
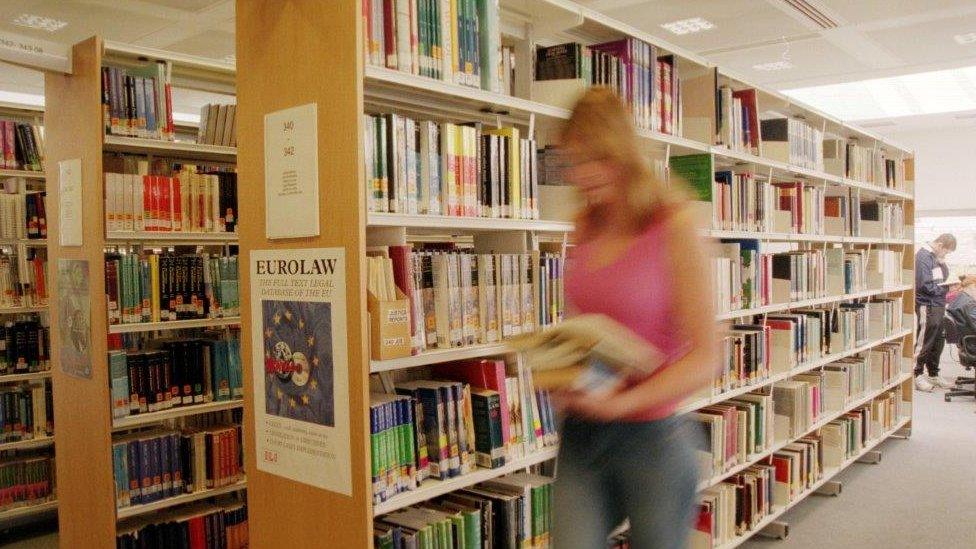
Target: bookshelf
[[89, 516], [22, 184], [309, 30]]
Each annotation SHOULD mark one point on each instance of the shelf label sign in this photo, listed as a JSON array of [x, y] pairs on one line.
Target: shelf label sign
[[69, 206], [74, 314], [300, 367], [291, 172], [35, 53]]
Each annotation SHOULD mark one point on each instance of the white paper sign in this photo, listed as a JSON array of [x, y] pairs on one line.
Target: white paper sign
[[34, 52], [300, 366], [291, 172], [69, 206]]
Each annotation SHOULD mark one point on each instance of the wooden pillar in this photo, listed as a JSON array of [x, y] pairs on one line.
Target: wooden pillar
[[82, 414], [290, 54]]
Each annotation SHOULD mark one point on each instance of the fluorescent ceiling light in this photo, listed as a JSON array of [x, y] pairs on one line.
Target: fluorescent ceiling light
[[931, 92], [39, 22], [687, 26], [774, 66], [963, 39]]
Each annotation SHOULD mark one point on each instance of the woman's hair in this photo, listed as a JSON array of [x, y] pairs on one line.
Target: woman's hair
[[602, 126], [966, 281]]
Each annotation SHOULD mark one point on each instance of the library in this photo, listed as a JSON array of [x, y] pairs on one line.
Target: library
[[456, 274]]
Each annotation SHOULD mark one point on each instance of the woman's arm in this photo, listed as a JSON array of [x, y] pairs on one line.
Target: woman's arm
[[694, 318]]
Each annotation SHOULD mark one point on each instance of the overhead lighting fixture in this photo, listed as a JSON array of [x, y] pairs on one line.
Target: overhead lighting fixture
[[39, 22], [688, 26], [933, 92], [964, 39], [773, 66]]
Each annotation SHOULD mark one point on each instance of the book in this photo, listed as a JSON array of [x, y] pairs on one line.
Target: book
[[588, 352]]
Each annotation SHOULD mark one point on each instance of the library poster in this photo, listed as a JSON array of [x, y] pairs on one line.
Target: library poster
[[74, 308], [300, 366]]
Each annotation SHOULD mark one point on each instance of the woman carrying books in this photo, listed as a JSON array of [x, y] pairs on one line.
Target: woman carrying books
[[639, 261]]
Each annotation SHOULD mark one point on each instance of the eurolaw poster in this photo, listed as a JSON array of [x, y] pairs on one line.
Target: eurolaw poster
[[301, 389]]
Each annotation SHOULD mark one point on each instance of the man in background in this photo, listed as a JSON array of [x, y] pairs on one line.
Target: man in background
[[931, 274]]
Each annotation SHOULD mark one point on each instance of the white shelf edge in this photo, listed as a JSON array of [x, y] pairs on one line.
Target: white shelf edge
[[822, 361], [136, 510], [22, 310], [780, 307], [30, 376], [127, 143], [28, 510], [39, 442], [376, 219], [437, 356], [173, 325], [819, 424], [801, 237], [826, 477], [138, 420], [171, 236], [28, 174], [433, 488]]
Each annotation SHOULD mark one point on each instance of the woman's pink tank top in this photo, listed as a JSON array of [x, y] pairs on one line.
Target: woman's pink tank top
[[636, 290]]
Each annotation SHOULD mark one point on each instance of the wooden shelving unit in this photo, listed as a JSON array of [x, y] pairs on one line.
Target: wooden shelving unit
[[36, 181], [311, 30], [88, 515]]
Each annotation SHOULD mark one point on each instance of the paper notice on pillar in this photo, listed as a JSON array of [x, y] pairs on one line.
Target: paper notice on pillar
[[74, 312], [69, 208], [300, 365], [291, 172]]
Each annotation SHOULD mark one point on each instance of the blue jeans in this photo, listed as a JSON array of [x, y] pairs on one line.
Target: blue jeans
[[606, 472]]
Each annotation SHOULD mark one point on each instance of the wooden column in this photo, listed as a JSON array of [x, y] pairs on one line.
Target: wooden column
[[82, 411], [289, 54]]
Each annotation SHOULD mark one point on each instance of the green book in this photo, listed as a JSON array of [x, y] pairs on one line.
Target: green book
[[696, 170]]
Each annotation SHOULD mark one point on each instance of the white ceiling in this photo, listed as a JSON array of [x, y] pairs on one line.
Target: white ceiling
[[871, 39]]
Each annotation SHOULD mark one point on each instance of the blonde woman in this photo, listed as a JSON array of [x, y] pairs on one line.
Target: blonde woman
[[640, 261]]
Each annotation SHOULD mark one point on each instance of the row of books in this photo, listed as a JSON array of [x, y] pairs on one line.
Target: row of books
[[138, 102], [794, 142], [23, 215], [23, 278], [737, 127], [462, 298], [453, 40], [25, 411], [426, 167], [648, 82], [25, 347], [21, 146], [188, 202], [178, 372], [747, 278], [776, 343], [513, 511], [218, 125], [26, 480], [151, 466], [486, 414], [219, 525], [868, 164], [160, 287], [737, 505]]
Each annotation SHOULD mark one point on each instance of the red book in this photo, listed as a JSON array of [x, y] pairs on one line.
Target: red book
[[166, 203], [9, 145], [400, 255], [152, 186], [198, 533], [177, 209], [751, 115], [170, 127], [389, 32]]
